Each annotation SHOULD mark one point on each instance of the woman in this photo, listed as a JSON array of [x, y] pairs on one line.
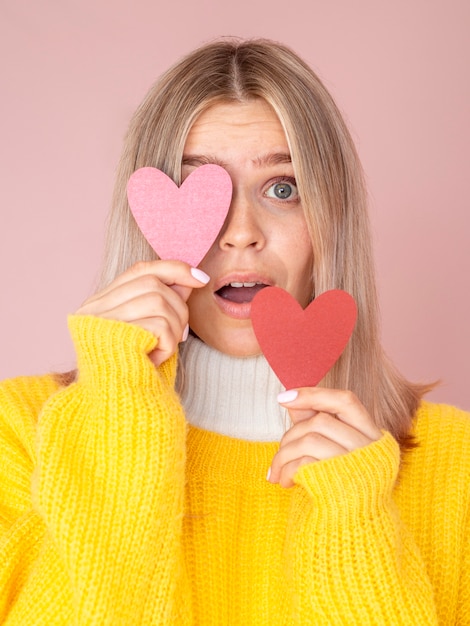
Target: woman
[[353, 510]]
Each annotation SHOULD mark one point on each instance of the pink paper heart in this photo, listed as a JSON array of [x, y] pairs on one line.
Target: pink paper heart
[[301, 346], [183, 222]]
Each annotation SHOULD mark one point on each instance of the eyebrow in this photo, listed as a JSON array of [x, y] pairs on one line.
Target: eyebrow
[[264, 160], [272, 158], [201, 159]]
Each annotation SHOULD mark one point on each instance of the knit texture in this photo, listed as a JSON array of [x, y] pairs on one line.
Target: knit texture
[[113, 511]]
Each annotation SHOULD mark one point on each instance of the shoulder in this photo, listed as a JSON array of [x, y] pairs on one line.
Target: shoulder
[[27, 392], [441, 424], [442, 446]]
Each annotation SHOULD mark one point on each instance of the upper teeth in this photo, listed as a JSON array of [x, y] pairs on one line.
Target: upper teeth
[[243, 284]]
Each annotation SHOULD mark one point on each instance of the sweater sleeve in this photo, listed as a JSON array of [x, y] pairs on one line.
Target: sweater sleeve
[[100, 542], [349, 558], [463, 605]]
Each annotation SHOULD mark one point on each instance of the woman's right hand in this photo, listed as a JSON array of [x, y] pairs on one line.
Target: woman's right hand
[[153, 295]]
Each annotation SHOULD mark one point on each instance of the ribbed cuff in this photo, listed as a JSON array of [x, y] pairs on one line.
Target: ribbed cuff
[[355, 483], [112, 350]]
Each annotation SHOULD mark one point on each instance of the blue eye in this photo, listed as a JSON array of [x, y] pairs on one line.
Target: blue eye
[[283, 190]]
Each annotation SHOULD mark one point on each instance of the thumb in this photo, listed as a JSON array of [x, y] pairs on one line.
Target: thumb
[[182, 291], [299, 415], [290, 400]]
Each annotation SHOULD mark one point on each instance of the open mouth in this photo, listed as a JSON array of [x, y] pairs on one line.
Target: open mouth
[[240, 292]]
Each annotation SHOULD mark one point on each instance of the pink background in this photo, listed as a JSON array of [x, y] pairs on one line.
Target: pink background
[[73, 72]]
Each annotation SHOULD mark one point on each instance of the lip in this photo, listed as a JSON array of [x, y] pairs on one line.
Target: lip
[[238, 310], [242, 277]]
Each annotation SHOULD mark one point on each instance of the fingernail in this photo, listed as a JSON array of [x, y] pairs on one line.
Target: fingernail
[[268, 476], [199, 275], [287, 396], [185, 333]]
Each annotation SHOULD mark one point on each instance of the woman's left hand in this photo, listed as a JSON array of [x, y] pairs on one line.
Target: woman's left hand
[[326, 423]]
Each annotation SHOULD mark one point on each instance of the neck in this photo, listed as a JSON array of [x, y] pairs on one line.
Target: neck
[[233, 396]]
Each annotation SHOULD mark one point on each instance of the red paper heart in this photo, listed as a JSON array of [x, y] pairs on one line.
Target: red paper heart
[[180, 222], [300, 345]]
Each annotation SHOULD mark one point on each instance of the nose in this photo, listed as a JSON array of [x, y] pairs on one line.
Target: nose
[[242, 227]]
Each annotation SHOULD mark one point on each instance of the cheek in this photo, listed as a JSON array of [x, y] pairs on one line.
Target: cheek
[[195, 301], [201, 308], [209, 262]]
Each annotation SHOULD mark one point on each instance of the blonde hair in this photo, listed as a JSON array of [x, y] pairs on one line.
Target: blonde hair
[[330, 181]]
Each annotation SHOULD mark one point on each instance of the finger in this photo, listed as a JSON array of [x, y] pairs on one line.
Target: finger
[[167, 340], [343, 404], [140, 290], [330, 427], [153, 308], [312, 445], [172, 273], [300, 415], [287, 473]]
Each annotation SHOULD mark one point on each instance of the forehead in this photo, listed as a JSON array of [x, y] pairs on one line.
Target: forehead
[[255, 109], [243, 128]]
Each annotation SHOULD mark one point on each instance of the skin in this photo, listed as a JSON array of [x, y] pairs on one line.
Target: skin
[[152, 295], [326, 423], [264, 239]]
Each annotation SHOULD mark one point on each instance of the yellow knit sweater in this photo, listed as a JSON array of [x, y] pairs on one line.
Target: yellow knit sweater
[[113, 511]]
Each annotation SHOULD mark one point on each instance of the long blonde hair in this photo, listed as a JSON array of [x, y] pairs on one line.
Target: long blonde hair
[[330, 181]]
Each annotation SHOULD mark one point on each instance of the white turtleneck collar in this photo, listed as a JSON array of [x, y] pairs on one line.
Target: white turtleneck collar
[[234, 396]]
